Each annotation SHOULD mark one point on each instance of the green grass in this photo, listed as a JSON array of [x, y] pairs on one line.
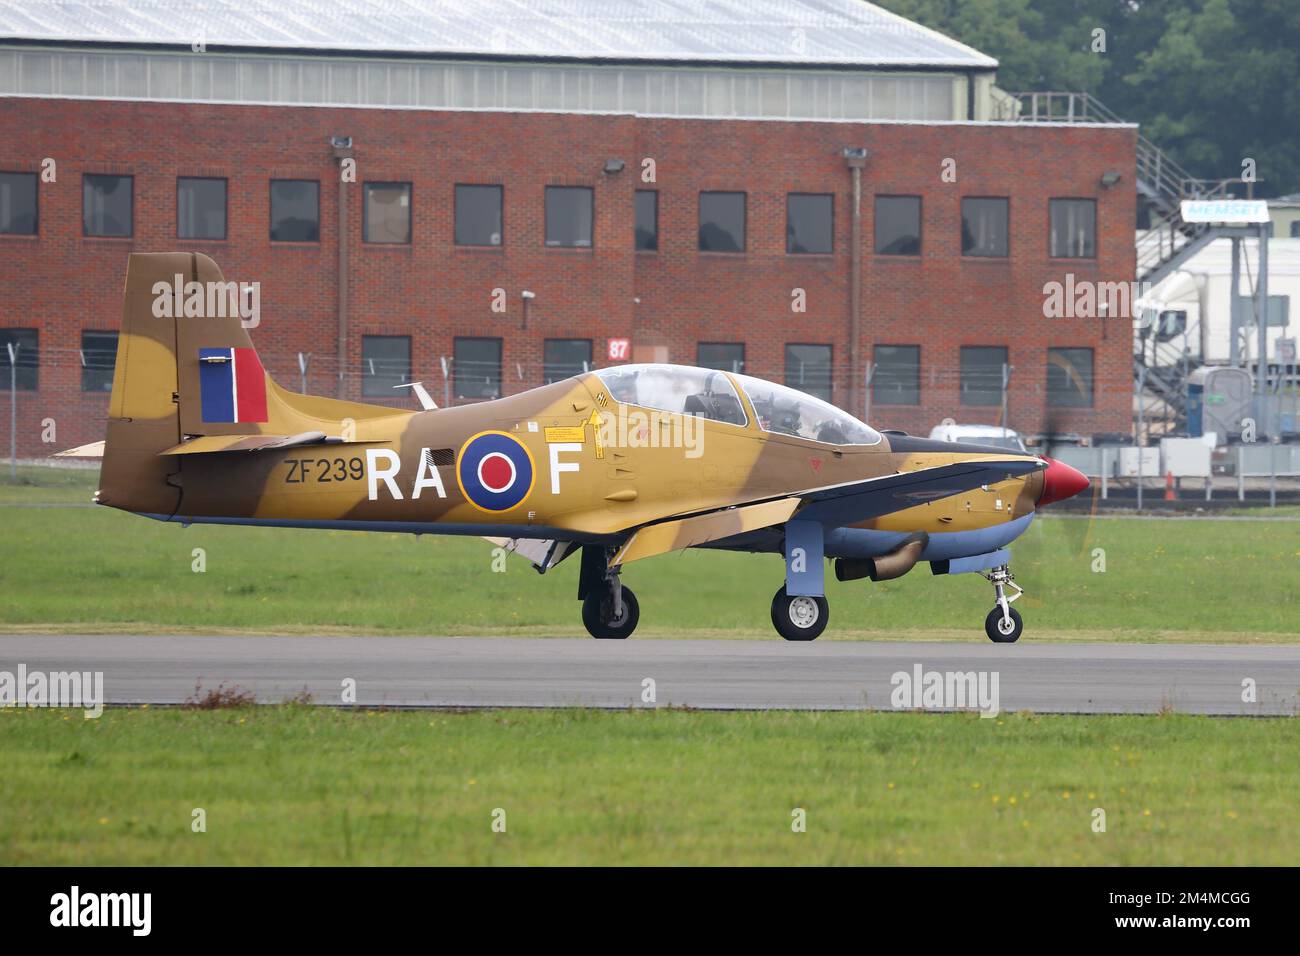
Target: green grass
[[96, 569], [42, 485], [296, 784]]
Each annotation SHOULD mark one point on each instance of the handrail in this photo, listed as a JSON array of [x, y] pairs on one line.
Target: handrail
[[1166, 176]]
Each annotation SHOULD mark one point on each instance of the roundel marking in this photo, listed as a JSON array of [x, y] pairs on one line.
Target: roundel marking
[[495, 471]]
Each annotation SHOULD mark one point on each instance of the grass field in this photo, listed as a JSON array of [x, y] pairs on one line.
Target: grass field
[[296, 784], [96, 569]]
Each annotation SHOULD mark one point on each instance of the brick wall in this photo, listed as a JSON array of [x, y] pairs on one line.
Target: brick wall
[[432, 290]]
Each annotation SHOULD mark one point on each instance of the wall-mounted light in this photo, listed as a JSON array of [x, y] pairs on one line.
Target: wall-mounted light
[[855, 156], [1110, 179], [341, 142], [614, 166], [527, 297]]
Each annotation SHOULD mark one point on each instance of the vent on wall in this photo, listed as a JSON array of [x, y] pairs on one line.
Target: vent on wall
[[440, 457]]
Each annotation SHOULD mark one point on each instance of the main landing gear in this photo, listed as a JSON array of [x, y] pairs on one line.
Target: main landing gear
[[1003, 625], [611, 613], [799, 618], [609, 610]]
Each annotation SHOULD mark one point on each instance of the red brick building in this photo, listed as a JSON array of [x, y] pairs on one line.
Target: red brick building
[[697, 238]]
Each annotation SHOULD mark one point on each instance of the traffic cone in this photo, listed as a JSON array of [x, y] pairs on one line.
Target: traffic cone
[[1169, 487]]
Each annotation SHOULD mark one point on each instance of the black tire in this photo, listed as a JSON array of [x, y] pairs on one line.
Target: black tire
[[993, 626], [796, 619], [598, 611]]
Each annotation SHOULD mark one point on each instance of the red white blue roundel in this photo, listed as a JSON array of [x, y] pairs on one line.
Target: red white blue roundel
[[495, 471]]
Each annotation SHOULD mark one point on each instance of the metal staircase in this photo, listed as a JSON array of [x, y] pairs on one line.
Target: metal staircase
[[1160, 251]]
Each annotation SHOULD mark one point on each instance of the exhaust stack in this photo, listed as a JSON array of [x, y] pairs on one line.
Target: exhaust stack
[[886, 567]]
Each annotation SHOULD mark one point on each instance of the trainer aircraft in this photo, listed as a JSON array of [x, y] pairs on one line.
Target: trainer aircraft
[[614, 466]]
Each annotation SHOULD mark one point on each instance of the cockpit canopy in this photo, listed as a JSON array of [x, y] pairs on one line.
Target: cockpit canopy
[[788, 411], [676, 388], [685, 390]]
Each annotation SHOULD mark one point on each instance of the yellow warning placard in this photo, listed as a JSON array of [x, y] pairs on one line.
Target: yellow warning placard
[[566, 433]]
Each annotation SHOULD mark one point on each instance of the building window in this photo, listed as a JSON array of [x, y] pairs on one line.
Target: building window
[[1069, 378], [385, 363], [1295, 228], [27, 343], [722, 222], [98, 356], [388, 213], [476, 371], [200, 208], [18, 204], [897, 379], [981, 374], [564, 358], [647, 220], [984, 228], [478, 215], [106, 205], [726, 356], [1073, 228], [809, 223], [568, 216], [808, 368], [295, 210], [898, 225]]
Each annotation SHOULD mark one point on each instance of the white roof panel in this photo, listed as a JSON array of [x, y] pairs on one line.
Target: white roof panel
[[807, 33]]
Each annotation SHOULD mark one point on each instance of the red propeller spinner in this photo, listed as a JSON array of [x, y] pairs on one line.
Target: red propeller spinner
[[1060, 481]]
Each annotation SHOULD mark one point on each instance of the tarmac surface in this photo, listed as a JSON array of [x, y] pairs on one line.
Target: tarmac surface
[[705, 674]]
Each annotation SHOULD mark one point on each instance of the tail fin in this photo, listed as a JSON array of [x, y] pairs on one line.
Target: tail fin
[[143, 412], [186, 367]]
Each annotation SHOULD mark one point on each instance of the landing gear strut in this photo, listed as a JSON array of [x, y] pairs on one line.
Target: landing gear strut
[[799, 618], [609, 610], [1003, 624]]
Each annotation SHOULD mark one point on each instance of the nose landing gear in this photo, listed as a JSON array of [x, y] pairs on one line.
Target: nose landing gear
[[1003, 624]]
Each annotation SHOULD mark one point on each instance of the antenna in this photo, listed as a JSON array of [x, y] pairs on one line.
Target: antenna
[[426, 400]]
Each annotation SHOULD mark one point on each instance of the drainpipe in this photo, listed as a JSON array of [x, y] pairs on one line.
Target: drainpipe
[[1263, 414], [855, 158], [342, 147]]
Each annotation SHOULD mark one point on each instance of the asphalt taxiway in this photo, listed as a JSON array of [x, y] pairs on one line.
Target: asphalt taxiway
[[705, 674]]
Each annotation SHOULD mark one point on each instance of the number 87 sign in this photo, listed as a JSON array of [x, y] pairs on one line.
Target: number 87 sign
[[619, 349]]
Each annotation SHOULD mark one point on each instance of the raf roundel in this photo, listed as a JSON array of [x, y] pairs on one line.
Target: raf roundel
[[495, 471]]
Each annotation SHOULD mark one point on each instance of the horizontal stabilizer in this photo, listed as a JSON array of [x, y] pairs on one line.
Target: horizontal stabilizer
[[714, 526], [94, 450], [208, 444]]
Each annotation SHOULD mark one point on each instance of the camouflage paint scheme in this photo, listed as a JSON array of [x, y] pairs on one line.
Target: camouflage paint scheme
[[312, 462]]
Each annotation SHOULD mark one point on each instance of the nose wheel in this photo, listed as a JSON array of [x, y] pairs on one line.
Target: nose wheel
[[1003, 624], [799, 618]]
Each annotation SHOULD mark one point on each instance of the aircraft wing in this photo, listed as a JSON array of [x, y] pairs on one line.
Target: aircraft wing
[[711, 526], [838, 505], [830, 505]]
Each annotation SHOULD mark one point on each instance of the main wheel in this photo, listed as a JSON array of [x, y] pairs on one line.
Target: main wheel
[[799, 618], [598, 614], [997, 629]]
